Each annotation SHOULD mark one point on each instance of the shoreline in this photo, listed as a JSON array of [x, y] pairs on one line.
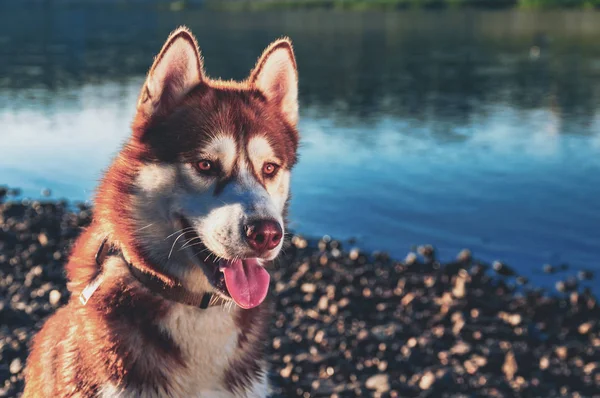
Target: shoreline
[[415, 327], [340, 5], [378, 5]]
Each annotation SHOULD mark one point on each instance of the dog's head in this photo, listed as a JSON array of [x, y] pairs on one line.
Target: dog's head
[[207, 198]]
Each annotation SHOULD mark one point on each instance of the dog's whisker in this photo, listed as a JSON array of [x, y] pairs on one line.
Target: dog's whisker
[[173, 245], [191, 245], [181, 230], [187, 244], [147, 226], [200, 252]]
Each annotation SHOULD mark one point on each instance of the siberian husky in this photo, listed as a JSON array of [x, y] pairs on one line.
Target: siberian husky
[[168, 283]]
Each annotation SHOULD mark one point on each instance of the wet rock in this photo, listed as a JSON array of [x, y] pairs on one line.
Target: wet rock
[[568, 285], [14, 192], [379, 383], [512, 319], [16, 366], [43, 239], [354, 253], [510, 366], [299, 242], [410, 259], [521, 280], [461, 348], [549, 269], [459, 290], [427, 251], [308, 288], [347, 323], [464, 256], [427, 380], [287, 371], [585, 275], [503, 269], [54, 297], [585, 327], [562, 352]]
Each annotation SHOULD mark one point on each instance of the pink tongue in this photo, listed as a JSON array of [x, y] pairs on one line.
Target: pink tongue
[[247, 281]]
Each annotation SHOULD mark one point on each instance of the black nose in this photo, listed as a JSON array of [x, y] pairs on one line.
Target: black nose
[[263, 235]]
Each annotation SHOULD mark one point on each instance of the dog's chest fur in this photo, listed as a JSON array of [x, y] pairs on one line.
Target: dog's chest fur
[[208, 341]]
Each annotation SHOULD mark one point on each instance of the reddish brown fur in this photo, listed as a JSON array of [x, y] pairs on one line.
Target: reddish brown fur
[[115, 337]]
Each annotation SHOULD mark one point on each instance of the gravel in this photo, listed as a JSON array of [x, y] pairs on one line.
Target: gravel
[[348, 323]]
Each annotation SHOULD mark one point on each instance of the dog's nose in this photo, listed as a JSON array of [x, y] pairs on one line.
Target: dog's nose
[[263, 235]]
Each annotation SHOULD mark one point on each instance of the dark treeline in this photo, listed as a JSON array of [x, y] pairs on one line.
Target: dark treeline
[[397, 4], [412, 65]]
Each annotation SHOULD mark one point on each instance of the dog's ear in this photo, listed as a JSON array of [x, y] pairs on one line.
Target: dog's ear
[[176, 69], [276, 76]]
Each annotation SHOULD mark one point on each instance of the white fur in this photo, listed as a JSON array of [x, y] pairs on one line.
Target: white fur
[[223, 148], [156, 178], [208, 342], [260, 151]]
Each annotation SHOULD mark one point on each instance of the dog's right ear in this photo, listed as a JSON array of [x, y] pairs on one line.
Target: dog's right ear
[[176, 70]]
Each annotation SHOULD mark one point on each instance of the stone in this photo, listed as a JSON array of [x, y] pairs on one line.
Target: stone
[[410, 259], [426, 251], [16, 366], [54, 297], [308, 288], [549, 269], [287, 371], [43, 239], [510, 366], [461, 348], [585, 275], [503, 269], [378, 382], [427, 380], [585, 327], [464, 256], [459, 289]]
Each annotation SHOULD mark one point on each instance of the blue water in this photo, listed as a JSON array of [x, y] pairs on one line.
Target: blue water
[[474, 130]]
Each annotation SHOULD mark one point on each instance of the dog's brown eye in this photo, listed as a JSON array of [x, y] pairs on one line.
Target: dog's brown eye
[[269, 169], [206, 167]]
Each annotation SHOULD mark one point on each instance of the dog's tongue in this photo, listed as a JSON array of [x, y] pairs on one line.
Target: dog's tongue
[[246, 280]]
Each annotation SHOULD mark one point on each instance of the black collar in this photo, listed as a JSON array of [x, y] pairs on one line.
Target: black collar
[[176, 293]]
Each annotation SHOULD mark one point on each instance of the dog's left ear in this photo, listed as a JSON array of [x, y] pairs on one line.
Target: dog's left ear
[[176, 70], [276, 76]]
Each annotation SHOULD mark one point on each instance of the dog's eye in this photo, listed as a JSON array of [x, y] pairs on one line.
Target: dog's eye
[[270, 169], [206, 167]]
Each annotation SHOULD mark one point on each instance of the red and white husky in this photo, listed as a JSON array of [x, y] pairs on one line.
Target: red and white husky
[[168, 282]]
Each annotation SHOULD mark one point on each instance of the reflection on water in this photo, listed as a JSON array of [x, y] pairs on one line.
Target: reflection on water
[[462, 129]]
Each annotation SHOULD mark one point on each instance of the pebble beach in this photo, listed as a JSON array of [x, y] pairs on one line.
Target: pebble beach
[[349, 323]]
